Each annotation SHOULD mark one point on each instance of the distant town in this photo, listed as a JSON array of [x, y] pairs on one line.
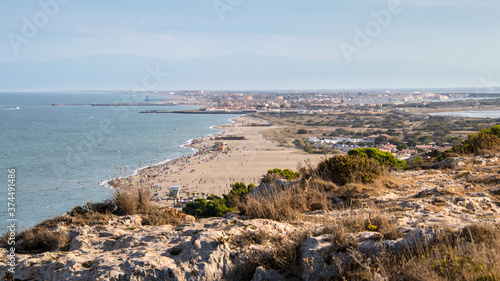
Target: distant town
[[305, 102], [398, 122]]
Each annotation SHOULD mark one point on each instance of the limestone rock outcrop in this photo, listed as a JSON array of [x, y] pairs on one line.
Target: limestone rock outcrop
[[237, 248]]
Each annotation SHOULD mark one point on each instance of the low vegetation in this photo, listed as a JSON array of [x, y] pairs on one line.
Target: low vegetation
[[485, 141], [344, 169], [281, 257], [275, 174], [283, 204], [384, 158], [467, 254], [215, 206], [44, 237], [339, 183]]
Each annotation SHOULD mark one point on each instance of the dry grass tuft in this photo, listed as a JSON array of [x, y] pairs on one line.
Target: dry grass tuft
[[126, 201], [487, 180], [387, 181], [282, 256], [385, 225], [341, 242], [137, 201], [41, 240], [352, 194], [158, 216], [323, 185], [468, 254], [284, 205]]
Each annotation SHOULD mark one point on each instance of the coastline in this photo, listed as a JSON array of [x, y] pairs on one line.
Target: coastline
[[195, 145], [187, 144], [206, 172]]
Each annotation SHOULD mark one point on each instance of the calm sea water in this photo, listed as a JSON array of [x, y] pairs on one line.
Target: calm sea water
[[61, 154], [475, 114]]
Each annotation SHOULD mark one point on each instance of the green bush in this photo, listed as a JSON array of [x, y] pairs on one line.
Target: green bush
[[344, 169], [237, 194], [308, 149], [213, 207], [484, 140], [275, 174], [286, 173], [382, 157], [487, 140]]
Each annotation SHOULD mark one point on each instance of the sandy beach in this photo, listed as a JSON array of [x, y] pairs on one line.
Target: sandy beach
[[212, 172]]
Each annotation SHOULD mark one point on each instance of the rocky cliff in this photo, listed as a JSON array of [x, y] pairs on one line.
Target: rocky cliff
[[320, 246]]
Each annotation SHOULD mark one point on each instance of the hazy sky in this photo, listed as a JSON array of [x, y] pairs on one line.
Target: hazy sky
[[463, 33]]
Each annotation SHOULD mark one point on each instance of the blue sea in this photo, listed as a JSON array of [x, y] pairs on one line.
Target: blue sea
[[61, 154]]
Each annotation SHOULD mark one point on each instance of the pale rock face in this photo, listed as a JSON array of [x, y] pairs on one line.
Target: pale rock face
[[193, 251], [221, 248], [317, 262], [450, 163], [262, 274]]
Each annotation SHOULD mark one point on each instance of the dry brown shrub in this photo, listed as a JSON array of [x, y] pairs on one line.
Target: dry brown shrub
[[341, 242], [323, 185], [50, 223], [283, 204], [41, 240], [278, 252], [144, 201], [126, 201], [487, 179], [157, 216], [387, 181], [479, 233], [352, 193], [385, 225], [467, 254], [276, 206], [306, 170]]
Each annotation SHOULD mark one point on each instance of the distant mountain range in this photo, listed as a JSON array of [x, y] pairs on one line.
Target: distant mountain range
[[240, 71]]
